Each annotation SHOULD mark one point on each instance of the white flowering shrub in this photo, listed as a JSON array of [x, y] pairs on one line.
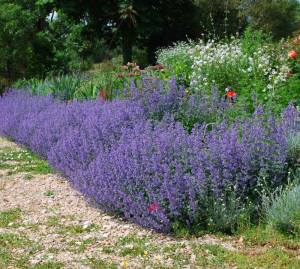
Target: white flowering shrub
[[177, 60], [252, 68], [226, 64]]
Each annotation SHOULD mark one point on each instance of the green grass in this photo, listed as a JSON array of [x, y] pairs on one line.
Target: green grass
[[265, 235], [261, 249], [28, 177], [22, 160], [76, 229], [12, 240], [10, 216], [95, 263], [53, 250], [81, 246], [5, 258], [132, 245], [9, 243], [53, 221], [49, 193], [213, 256]]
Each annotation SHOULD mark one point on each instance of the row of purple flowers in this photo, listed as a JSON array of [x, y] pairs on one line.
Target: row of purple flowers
[[152, 172]]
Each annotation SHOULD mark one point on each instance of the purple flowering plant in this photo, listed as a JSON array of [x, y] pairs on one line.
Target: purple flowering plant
[[136, 158]]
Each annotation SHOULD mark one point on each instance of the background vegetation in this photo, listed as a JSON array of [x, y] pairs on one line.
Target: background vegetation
[[42, 37]]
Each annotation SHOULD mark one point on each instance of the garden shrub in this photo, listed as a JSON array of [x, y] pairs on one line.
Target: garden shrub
[[261, 72], [294, 148], [283, 213], [252, 65], [149, 169], [177, 60]]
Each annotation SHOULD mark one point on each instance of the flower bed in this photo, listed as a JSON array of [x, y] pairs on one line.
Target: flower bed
[[253, 65], [155, 172]]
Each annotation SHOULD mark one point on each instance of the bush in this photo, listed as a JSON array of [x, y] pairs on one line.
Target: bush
[[154, 172], [177, 60], [254, 66], [260, 72], [294, 149], [283, 213]]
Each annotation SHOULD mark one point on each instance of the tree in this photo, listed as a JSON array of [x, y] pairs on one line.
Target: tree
[[221, 18], [131, 22], [16, 27], [34, 42], [279, 17]]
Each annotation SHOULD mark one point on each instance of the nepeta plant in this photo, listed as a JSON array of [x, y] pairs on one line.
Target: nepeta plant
[[155, 172]]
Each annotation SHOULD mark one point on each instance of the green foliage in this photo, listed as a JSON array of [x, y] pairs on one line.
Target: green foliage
[[252, 40], [177, 61], [257, 68], [63, 87], [20, 161], [283, 211], [16, 26], [279, 17], [144, 24], [108, 82], [226, 214], [294, 149], [221, 18], [87, 90], [9, 217], [35, 86], [73, 44], [36, 41]]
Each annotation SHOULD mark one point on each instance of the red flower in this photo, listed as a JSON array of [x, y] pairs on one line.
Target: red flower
[[231, 94], [293, 54], [153, 207], [102, 94]]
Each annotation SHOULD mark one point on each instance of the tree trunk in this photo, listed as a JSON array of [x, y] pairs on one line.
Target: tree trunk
[[127, 44], [8, 71]]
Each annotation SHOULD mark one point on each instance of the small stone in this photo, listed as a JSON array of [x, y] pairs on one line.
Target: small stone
[[193, 258]]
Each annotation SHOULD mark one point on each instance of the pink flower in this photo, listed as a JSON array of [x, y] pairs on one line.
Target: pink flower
[[153, 207], [293, 54], [158, 67]]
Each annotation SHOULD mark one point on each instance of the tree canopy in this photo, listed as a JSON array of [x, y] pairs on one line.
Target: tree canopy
[[41, 36]]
